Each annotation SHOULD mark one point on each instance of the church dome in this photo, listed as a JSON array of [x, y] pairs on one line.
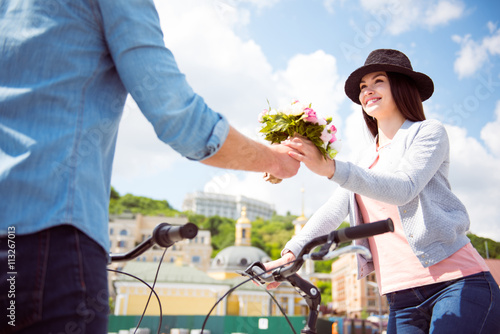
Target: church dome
[[238, 258]]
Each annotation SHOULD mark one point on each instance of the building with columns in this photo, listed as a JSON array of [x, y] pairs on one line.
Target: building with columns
[[229, 206]]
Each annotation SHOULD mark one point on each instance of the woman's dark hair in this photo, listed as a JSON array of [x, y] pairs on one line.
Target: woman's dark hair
[[407, 99]]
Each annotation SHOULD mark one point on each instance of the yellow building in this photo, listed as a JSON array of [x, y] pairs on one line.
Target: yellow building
[[126, 232], [186, 290]]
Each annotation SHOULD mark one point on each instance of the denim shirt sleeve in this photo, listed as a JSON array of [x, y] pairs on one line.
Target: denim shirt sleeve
[[150, 74]]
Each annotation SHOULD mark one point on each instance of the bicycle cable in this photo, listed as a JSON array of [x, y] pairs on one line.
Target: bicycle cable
[[152, 291], [246, 281]]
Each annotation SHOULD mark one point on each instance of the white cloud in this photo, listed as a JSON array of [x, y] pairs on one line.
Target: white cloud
[[139, 151], [473, 55], [312, 79], [330, 5], [470, 163], [442, 12], [404, 15], [490, 133]]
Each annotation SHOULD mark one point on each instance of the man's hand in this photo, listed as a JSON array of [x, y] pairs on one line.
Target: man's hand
[[305, 151], [285, 166]]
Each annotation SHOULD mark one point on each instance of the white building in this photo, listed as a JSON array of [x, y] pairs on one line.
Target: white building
[[229, 206]]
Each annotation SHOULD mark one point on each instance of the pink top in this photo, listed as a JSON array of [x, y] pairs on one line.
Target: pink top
[[397, 267]]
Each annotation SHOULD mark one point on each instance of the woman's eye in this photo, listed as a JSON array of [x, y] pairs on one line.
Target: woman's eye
[[362, 87]]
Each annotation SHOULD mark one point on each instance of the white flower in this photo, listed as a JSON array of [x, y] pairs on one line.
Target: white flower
[[326, 136], [294, 109], [336, 145], [321, 121]]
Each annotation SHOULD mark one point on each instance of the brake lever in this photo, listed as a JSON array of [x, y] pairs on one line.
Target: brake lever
[[328, 246], [248, 272]]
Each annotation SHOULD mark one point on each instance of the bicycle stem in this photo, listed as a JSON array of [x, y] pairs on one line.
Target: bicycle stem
[[312, 296]]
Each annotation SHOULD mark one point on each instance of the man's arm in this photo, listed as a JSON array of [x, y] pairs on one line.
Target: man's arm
[[242, 153]]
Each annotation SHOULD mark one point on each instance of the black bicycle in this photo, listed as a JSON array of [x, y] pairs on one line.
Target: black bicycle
[[165, 235], [329, 244]]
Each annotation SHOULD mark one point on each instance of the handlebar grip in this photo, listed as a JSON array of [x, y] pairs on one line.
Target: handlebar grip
[[165, 234], [364, 230]]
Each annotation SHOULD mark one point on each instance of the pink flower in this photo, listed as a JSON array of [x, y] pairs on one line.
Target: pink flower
[[334, 139], [310, 115], [333, 129]]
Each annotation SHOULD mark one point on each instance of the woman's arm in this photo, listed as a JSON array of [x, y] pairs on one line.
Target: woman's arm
[[422, 159], [326, 219]]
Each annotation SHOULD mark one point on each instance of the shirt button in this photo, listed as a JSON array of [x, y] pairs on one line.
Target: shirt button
[[404, 211], [426, 262]]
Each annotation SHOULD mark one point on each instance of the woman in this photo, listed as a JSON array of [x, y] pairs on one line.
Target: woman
[[434, 279]]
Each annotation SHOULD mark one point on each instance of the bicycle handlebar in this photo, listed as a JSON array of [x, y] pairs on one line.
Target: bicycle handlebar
[[164, 235], [363, 230], [328, 241]]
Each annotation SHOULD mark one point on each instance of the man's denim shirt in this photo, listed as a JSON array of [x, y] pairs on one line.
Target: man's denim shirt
[[65, 70]]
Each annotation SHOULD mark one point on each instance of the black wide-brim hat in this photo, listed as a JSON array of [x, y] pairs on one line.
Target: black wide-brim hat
[[387, 60]]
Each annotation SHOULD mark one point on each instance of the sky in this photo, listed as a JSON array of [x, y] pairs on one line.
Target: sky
[[239, 54]]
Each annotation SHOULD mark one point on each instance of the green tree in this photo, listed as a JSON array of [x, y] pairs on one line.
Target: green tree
[[139, 204], [326, 291], [480, 243], [271, 236]]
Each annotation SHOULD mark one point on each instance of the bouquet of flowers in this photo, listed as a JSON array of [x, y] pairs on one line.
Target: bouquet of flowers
[[298, 118]]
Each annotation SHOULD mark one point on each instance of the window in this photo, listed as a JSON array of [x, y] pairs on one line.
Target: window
[[123, 232], [122, 243], [196, 259]]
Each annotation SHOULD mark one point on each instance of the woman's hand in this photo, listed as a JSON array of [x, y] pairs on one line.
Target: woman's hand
[[287, 257], [305, 151]]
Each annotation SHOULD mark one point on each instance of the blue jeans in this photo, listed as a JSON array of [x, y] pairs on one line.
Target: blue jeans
[[58, 283], [467, 305]]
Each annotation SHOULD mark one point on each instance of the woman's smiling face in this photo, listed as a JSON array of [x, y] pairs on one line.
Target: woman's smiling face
[[375, 95]]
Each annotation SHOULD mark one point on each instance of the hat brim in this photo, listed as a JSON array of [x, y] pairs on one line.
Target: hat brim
[[424, 83]]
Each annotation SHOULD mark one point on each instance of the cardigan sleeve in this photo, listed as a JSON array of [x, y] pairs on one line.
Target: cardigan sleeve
[[427, 150]]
